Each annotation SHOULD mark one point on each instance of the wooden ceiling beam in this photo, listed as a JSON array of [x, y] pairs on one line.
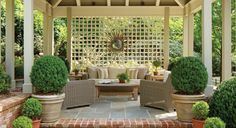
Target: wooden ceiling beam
[[55, 3], [158, 2], [181, 3], [78, 2]]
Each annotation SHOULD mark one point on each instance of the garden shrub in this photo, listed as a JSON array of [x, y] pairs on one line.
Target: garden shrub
[[189, 76], [214, 122], [32, 108], [49, 74], [5, 81], [200, 110], [22, 122], [223, 103]]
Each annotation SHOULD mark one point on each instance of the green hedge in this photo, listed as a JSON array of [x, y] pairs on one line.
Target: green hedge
[[49, 74], [223, 103], [189, 76], [5, 81]]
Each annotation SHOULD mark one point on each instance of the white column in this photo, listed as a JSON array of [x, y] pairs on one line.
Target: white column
[[166, 37], [188, 19], [50, 35], [10, 40], [45, 34], [28, 44], [207, 37], [226, 39], [69, 40]]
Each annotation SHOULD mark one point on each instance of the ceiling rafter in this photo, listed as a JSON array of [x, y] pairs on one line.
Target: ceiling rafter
[[126, 2], [55, 3], [181, 3], [158, 2], [78, 2], [108, 2]]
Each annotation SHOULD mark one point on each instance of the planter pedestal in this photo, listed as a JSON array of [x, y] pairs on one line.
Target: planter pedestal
[[51, 106], [184, 104]]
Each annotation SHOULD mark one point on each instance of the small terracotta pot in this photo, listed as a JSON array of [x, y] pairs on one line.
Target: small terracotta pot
[[36, 123], [155, 73], [198, 123], [122, 81]]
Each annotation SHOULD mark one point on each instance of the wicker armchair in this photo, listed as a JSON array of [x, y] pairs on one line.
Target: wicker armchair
[[79, 93], [157, 94]]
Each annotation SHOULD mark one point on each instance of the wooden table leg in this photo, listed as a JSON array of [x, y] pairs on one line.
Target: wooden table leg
[[135, 93]]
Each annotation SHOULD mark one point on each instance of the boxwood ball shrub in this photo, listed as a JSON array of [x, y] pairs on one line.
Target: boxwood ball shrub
[[223, 103], [49, 75], [5, 81], [214, 122], [200, 110], [32, 108], [22, 122], [189, 76]]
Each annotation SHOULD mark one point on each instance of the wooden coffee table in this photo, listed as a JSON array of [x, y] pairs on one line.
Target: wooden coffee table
[[115, 88]]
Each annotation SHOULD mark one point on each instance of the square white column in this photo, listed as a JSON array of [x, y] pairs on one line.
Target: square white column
[[207, 37], [226, 39], [10, 40], [48, 35], [69, 35], [166, 48], [28, 44]]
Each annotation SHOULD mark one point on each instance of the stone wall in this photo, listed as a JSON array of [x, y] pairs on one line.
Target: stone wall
[[10, 108]]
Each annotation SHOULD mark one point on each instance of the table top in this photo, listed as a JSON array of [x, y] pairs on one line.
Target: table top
[[116, 83]]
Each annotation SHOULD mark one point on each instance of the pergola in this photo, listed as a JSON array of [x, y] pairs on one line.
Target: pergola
[[70, 8]]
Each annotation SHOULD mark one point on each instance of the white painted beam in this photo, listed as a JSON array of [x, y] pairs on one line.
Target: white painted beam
[[78, 2], [158, 2], [126, 2], [117, 11], [69, 35], [108, 2], [28, 44], [188, 19], [166, 48], [10, 40], [226, 39], [181, 3], [55, 3], [207, 37]]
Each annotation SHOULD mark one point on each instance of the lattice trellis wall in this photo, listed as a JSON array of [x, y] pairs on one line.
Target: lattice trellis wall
[[144, 39]]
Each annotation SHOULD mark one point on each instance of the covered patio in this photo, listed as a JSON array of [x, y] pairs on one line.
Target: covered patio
[[107, 109], [70, 9]]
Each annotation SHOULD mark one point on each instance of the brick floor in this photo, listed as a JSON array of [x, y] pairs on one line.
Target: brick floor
[[116, 123]]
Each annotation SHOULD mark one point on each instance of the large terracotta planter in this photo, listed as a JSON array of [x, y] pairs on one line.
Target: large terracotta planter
[[51, 106], [198, 123], [36, 123], [184, 104]]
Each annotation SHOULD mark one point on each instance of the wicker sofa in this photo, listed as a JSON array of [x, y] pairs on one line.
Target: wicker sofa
[[79, 93], [157, 94]]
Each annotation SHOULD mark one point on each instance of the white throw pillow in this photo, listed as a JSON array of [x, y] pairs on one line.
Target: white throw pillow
[[115, 71], [102, 73], [132, 73]]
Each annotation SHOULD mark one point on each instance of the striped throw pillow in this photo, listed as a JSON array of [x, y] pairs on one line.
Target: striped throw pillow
[[102, 73], [132, 73]]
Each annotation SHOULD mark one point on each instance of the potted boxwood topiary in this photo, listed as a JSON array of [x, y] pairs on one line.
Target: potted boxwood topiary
[[200, 112], [123, 77], [49, 75], [32, 108], [22, 122], [189, 79], [223, 103], [214, 122], [156, 64]]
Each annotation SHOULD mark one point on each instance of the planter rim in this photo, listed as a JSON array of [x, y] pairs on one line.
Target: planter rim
[[189, 96], [49, 96]]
